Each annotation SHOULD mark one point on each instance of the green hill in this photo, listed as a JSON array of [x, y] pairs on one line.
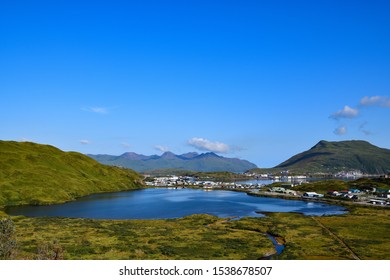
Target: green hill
[[41, 174], [333, 157]]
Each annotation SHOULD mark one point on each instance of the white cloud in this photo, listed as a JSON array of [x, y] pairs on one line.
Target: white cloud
[[85, 142], [363, 125], [97, 110], [368, 101], [341, 130], [206, 145], [125, 145], [346, 112], [381, 101], [161, 148], [365, 131]]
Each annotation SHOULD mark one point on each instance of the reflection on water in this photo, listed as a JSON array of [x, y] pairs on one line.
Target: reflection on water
[[172, 203]]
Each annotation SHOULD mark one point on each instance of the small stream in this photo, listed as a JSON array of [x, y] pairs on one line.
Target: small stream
[[278, 247]]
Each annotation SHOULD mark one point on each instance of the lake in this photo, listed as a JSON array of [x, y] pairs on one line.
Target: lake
[[173, 203]]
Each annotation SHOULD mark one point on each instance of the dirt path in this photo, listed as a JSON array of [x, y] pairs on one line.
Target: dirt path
[[218, 222], [337, 238]]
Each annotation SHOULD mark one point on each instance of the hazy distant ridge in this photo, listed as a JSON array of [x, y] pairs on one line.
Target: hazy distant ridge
[[205, 162]]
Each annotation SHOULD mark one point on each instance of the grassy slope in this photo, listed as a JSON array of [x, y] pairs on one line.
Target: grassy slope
[[40, 174]]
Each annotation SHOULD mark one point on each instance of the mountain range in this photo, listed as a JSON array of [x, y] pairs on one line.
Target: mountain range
[[32, 173], [333, 157], [205, 162]]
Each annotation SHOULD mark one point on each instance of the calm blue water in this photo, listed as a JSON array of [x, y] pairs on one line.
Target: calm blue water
[[172, 203]]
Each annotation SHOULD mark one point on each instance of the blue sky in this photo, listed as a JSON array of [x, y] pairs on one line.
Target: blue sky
[[258, 80]]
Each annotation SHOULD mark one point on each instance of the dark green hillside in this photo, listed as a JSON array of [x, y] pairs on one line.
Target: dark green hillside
[[40, 174], [333, 157]]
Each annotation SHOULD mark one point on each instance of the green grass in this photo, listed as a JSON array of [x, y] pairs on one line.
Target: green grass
[[193, 237], [304, 238], [364, 230], [40, 174]]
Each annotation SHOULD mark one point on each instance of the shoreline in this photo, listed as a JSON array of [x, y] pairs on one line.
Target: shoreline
[[346, 204], [319, 199], [3, 208]]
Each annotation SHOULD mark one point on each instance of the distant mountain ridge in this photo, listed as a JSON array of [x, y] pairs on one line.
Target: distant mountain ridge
[[205, 162], [334, 157]]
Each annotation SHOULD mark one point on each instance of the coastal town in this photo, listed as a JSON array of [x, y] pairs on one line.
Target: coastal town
[[286, 186]]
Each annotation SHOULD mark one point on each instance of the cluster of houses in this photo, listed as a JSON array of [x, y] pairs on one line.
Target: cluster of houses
[[169, 181], [349, 174], [284, 176], [312, 195], [372, 195], [288, 191], [182, 181], [282, 190], [382, 197], [225, 185], [350, 194], [369, 194]]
